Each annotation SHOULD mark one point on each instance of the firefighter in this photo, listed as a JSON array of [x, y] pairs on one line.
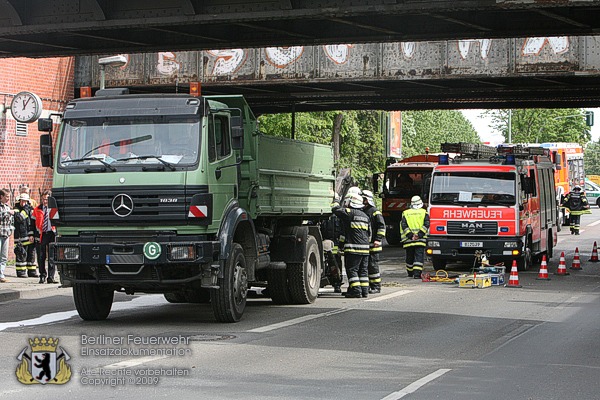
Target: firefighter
[[577, 203], [377, 235], [332, 231], [415, 226], [24, 241], [357, 227]]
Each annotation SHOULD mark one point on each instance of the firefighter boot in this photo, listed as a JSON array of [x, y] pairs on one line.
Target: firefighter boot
[[365, 291], [353, 293], [417, 275], [337, 289]]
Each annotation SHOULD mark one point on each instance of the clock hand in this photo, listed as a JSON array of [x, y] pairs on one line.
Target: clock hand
[[25, 102]]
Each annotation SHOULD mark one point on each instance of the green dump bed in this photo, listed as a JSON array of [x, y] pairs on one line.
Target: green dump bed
[[291, 178]]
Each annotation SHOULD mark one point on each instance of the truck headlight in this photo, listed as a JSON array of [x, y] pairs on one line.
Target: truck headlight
[[67, 253], [182, 252], [510, 244]]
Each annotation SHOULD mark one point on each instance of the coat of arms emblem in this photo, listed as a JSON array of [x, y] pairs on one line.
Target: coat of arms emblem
[[44, 365]]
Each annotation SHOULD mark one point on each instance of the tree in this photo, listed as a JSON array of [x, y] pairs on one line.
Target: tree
[[542, 125], [591, 158], [421, 129]]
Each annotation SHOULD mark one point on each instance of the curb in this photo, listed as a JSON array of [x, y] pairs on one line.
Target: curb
[[31, 293]]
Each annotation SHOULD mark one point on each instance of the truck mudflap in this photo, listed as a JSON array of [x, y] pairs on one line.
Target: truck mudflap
[[463, 249], [151, 264]]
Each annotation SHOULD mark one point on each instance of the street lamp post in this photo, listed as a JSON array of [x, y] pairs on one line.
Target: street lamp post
[[115, 61]]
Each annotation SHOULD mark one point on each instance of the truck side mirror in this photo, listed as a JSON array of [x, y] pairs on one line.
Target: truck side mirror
[[46, 150], [237, 133], [45, 124]]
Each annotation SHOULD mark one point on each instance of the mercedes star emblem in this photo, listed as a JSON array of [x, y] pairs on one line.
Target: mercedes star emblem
[[122, 205]]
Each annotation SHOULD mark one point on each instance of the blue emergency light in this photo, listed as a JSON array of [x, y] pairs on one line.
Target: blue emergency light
[[510, 159], [444, 159]]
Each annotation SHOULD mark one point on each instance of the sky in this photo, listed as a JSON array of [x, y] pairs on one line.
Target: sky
[[486, 133]]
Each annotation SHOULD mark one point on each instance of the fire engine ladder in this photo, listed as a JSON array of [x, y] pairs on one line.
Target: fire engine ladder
[[474, 151], [522, 151]]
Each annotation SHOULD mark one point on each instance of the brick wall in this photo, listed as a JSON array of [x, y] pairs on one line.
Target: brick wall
[[52, 80]]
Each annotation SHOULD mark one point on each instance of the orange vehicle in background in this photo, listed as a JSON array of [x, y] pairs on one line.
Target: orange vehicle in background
[[403, 179], [568, 159]]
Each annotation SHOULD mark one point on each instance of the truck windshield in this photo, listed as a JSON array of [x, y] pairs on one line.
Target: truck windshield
[[406, 183], [119, 142], [491, 188]]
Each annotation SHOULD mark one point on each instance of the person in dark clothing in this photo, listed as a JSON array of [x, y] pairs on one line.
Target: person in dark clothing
[[24, 241], [357, 229], [377, 236], [331, 230], [577, 203], [44, 236]]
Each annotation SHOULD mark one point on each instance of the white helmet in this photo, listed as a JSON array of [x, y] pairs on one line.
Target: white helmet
[[367, 194], [351, 192], [356, 201], [416, 202]]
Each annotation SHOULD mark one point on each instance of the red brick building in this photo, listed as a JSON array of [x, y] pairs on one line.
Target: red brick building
[[52, 80]]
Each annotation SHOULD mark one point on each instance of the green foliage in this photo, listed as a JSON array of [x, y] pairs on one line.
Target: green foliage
[[362, 146], [591, 158], [421, 129], [542, 125]]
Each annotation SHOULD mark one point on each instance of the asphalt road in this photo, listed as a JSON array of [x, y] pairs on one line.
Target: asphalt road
[[416, 340]]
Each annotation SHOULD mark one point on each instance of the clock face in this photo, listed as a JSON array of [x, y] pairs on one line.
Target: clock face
[[26, 107]]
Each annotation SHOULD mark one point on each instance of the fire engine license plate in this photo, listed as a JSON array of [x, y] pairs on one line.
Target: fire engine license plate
[[471, 244]]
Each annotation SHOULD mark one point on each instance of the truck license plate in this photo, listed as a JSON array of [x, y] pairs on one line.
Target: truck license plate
[[471, 244]]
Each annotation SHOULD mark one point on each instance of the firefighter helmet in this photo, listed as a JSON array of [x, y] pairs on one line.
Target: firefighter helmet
[[416, 202], [577, 187], [368, 195], [356, 201]]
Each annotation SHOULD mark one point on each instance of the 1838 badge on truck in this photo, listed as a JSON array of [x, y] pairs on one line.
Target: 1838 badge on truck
[[44, 365]]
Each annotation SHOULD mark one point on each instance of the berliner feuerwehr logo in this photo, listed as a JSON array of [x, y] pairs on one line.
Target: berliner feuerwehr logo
[[44, 364]]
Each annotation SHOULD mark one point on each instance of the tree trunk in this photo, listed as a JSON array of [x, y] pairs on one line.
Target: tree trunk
[[337, 127]]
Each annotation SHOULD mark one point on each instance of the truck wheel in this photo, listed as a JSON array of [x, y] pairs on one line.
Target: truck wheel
[[438, 263], [229, 301], [278, 287], [93, 302], [526, 260], [177, 297], [304, 278], [598, 202]]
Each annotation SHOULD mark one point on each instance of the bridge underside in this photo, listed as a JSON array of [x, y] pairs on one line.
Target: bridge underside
[[42, 28], [540, 72]]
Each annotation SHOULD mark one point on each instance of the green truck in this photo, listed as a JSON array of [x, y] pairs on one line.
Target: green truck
[[183, 196]]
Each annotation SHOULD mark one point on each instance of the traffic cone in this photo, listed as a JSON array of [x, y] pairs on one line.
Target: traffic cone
[[594, 253], [513, 280], [576, 265], [543, 274], [562, 267]]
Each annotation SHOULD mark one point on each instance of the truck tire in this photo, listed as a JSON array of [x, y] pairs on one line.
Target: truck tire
[[229, 301], [304, 278], [176, 297], [438, 263], [278, 287], [93, 302]]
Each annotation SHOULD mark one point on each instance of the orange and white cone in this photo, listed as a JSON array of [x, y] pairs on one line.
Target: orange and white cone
[[594, 253], [576, 265], [543, 274], [562, 266], [513, 280]]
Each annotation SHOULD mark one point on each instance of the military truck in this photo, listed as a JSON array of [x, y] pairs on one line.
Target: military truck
[[183, 196]]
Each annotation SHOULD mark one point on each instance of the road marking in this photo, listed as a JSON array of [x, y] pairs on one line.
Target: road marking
[[296, 321], [416, 385], [391, 295], [594, 223], [142, 301]]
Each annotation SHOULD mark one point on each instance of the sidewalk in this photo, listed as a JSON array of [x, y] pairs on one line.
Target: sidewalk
[[27, 288]]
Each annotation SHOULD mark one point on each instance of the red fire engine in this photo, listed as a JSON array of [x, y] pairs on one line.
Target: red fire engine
[[500, 201], [403, 179]]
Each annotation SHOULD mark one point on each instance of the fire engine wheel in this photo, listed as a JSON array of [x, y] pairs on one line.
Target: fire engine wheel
[[304, 278], [229, 301], [525, 262], [93, 302], [177, 297], [278, 287], [598, 202], [438, 263]]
